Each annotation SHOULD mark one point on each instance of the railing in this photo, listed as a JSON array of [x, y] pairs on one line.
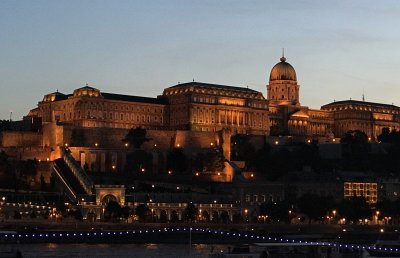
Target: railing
[[70, 193], [76, 169]]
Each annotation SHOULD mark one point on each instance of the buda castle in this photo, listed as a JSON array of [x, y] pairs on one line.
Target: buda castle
[[203, 107]]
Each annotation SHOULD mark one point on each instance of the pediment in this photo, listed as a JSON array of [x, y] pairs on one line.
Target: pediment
[[300, 113]]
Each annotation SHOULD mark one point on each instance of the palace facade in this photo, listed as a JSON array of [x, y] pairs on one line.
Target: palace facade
[[203, 107]]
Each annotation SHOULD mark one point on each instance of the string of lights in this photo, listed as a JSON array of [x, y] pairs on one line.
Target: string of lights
[[242, 235], [26, 205]]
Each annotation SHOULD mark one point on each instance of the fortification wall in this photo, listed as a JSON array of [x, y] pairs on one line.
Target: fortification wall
[[20, 139], [24, 153], [162, 139]]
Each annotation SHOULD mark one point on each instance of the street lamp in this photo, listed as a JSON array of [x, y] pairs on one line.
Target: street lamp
[[377, 216]]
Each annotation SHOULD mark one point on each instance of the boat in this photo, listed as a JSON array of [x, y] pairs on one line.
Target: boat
[[387, 245]]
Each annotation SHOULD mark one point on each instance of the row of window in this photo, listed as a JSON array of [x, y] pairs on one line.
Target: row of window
[[363, 108], [360, 192], [215, 92], [260, 198], [122, 107], [354, 186]]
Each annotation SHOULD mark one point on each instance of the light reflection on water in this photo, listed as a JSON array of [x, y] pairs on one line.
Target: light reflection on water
[[114, 250]]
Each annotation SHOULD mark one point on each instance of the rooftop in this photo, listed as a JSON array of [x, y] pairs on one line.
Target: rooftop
[[358, 102], [210, 85], [129, 98]]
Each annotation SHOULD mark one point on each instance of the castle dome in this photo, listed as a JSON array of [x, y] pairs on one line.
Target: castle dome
[[283, 71]]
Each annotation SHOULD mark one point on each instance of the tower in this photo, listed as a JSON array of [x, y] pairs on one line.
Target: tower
[[283, 88]]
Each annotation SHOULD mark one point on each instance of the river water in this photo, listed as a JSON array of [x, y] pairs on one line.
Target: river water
[[118, 250], [115, 250]]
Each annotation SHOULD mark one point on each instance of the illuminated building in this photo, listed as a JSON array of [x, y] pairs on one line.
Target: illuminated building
[[204, 107], [361, 189]]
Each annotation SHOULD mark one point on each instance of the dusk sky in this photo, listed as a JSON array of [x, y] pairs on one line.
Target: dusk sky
[[339, 49]]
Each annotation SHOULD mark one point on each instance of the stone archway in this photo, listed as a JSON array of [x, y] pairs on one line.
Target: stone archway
[[108, 198], [215, 217], [224, 217], [174, 216], [206, 216], [117, 191], [163, 216]]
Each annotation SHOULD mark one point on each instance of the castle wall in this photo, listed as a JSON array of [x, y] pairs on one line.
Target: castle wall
[[31, 152], [20, 139], [160, 139]]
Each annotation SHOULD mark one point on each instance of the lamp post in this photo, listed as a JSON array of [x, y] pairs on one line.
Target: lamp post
[[377, 216], [334, 215]]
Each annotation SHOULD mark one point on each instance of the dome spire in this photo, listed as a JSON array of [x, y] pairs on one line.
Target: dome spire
[[283, 59]]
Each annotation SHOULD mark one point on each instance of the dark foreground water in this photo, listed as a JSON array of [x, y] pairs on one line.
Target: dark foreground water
[[119, 250], [114, 250]]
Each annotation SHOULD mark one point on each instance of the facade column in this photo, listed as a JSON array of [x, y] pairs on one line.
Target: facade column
[[226, 117]]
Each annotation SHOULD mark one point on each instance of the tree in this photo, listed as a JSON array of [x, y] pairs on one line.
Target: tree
[[355, 208], [260, 161], [139, 161], [177, 161], [355, 149], [315, 206], [112, 210], [241, 148], [208, 161], [136, 137], [142, 211], [276, 211], [125, 212], [78, 214], [355, 143], [163, 216], [224, 217], [190, 212], [174, 217], [4, 125], [387, 208], [385, 135]]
